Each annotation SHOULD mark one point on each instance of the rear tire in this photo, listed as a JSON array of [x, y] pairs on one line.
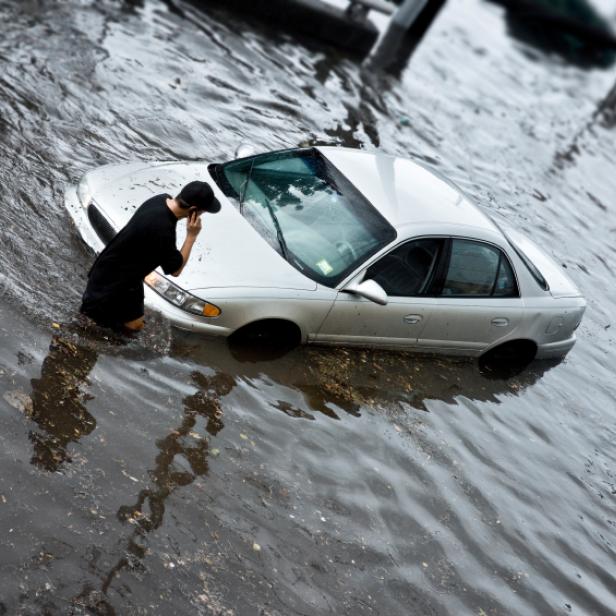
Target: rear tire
[[508, 359]]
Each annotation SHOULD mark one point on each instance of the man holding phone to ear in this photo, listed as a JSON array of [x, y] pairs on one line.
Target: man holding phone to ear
[[114, 293]]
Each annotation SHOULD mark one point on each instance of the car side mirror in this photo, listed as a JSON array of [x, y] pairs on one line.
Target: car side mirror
[[244, 150], [370, 289]]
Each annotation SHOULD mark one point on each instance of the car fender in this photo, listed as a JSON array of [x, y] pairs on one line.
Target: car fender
[[307, 309], [546, 321]]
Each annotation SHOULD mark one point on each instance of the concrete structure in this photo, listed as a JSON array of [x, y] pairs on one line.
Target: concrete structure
[[315, 18], [347, 28]]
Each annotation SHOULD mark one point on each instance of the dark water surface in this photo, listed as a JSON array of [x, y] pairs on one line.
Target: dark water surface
[[173, 475]]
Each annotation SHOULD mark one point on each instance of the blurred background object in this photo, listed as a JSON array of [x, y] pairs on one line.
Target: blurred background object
[[573, 29]]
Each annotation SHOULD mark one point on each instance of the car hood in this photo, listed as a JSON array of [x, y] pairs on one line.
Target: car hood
[[229, 252]]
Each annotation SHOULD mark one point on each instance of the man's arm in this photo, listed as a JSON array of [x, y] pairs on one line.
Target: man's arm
[[193, 227]]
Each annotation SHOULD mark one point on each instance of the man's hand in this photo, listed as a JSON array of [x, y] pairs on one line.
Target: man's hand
[[193, 225], [193, 228]]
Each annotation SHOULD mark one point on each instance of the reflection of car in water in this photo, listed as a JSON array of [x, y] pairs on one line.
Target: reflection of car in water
[[336, 381], [341, 247]]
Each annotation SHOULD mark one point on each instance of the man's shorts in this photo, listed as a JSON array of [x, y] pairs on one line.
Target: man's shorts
[[115, 309]]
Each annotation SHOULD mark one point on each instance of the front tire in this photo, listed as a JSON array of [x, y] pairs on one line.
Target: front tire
[[273, 333]]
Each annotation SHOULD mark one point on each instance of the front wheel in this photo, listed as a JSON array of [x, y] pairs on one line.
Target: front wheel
[[268, 333]]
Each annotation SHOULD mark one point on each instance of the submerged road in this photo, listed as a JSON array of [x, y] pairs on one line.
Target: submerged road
[[173, 475]]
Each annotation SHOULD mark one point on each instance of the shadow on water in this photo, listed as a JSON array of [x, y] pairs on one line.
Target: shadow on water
[[604, 116]]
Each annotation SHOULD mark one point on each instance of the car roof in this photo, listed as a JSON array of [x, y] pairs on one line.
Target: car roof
[[407, 194]]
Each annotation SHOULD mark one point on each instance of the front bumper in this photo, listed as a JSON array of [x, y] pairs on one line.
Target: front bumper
[[180, 318], [79, 216]]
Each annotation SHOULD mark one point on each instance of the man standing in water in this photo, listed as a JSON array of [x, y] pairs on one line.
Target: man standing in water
[[114, 293]]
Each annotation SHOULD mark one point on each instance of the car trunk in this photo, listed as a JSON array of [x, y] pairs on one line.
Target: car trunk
[[560, 285]]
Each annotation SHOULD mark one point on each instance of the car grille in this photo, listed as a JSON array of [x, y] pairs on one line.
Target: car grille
[[100, 224]]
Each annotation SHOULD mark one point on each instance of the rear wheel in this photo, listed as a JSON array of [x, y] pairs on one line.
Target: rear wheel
[[508, 358]]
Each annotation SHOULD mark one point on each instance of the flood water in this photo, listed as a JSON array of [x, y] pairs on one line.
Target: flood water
[[174, 475]]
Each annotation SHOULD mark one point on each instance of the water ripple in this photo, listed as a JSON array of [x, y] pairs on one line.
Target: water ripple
[[325, 481]]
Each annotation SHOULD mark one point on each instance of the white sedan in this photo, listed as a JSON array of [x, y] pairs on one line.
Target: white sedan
[[338, 246]]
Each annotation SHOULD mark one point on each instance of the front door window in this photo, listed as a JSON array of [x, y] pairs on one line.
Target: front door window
[[408, 270]]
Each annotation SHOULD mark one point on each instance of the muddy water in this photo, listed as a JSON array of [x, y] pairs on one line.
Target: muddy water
[[173, 475]]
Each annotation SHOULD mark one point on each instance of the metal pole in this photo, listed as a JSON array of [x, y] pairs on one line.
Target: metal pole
[[407, 13], [394, 41]]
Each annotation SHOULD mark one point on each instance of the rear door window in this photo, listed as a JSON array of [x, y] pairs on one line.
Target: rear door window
[[477, 269]]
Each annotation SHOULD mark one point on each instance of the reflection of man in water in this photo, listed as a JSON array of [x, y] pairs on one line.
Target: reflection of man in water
[[182, 441], [148, 512], [114, 294], [58, 402]]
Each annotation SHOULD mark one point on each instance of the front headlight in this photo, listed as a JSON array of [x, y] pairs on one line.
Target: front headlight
[[84, 192], [172, 293]]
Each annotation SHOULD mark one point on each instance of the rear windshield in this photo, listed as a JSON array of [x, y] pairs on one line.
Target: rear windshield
[[530, 266], [307, 211]]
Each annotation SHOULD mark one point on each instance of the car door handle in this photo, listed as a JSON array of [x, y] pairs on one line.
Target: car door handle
[[500, 322], [411, 319]]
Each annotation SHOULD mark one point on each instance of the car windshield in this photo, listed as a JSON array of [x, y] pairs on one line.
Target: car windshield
[[308, 212]]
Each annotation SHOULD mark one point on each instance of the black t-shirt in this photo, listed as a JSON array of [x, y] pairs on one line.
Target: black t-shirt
[[145, 243]]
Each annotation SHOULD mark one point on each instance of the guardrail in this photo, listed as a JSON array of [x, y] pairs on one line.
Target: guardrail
[[402, 16], [382, 6]]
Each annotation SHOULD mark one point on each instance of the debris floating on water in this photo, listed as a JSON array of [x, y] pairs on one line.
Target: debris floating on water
[[19, 400]]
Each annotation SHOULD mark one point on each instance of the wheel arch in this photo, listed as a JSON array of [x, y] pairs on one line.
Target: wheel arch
[[515, 348], [268, 323], [295, 311]]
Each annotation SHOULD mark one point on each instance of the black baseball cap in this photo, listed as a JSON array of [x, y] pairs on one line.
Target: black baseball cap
[[200, 195]]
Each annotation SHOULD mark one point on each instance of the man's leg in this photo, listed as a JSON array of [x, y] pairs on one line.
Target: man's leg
[[132, 309], [135, 325]]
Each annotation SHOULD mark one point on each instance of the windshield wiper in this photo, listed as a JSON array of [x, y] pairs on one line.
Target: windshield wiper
[[281, 240]]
